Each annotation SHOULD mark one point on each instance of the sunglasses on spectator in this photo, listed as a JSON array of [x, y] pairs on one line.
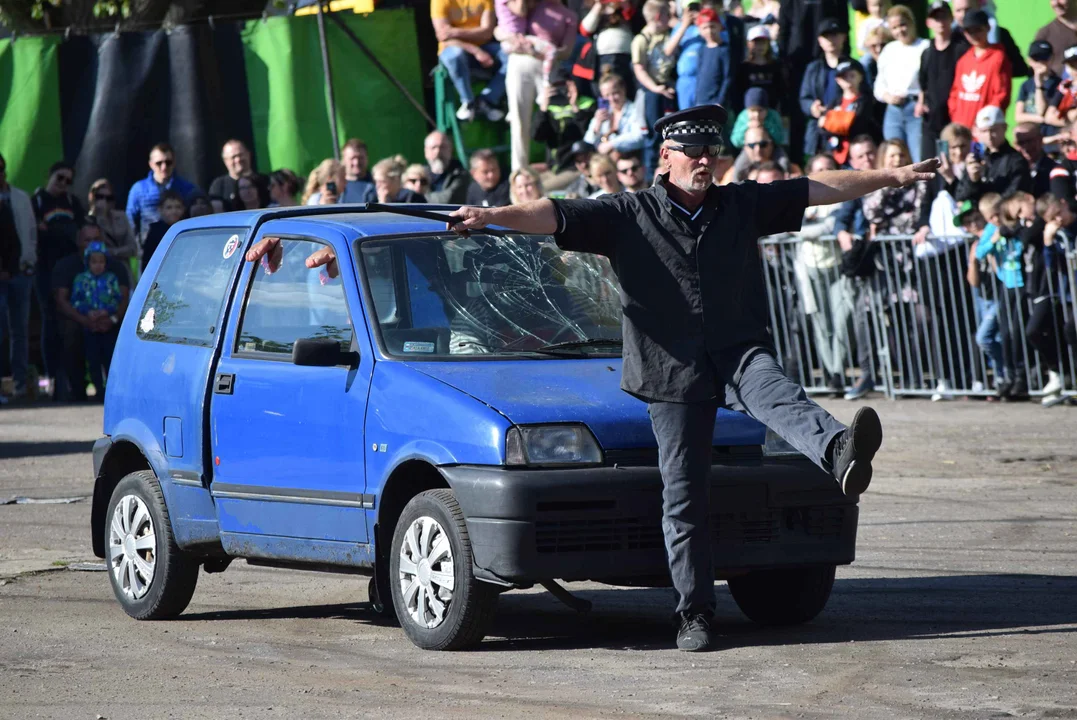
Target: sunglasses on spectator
[[103, 196], [696, 151], [420, 180], [629, 169], [764, 144]]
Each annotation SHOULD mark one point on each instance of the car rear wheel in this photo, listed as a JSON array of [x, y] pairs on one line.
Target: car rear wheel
[[438, 601], [786, 596], [150, 576]]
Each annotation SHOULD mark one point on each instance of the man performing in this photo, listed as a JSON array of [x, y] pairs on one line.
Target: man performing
[[695, 323]]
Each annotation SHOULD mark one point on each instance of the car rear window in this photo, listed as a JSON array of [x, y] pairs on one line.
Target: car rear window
[[185, 300]]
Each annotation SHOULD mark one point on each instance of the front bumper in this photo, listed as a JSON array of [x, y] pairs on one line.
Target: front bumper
[[605, 523]]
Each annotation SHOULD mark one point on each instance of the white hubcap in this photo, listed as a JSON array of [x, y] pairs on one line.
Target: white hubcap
[[426, 576], [132, 550]]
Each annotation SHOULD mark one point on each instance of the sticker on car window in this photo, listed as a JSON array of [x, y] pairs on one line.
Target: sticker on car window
[[146, 323], [230, 247], [419, 347]]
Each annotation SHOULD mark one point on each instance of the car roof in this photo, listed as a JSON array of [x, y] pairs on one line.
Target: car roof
[[350, 219]]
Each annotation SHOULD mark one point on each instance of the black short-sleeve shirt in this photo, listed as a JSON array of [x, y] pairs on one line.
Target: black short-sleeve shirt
[[692, 287]]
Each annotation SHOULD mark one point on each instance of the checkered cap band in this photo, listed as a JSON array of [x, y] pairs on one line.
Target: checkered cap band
[[692, 128]]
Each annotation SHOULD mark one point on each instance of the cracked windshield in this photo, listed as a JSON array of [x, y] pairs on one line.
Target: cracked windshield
[[518, 295]]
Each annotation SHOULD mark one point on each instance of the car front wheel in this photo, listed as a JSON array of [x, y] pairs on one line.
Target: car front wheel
[[438, 601], [787, 596], [151, 577]]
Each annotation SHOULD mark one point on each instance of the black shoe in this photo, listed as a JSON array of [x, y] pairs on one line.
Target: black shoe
[[836, 385], [854, 450], [1019, 391], [1002, 392], [694, 634]]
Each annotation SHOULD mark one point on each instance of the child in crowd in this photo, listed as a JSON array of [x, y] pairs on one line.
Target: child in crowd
[[761, 69], [1062, 105], [608, 24], [848, 116], [1035, 95], [758, 113], [655, 67], [96, 294], [1004, 255], [172, 209], [978, 274], [1049, 288], [715, 65]]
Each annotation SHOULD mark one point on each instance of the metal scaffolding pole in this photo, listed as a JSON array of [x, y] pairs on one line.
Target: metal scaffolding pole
[[328, 71]]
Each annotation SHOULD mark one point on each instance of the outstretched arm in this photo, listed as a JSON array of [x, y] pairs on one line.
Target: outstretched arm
[[835, 186], [538, 217]]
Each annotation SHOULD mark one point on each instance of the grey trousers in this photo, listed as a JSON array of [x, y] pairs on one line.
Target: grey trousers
[[684, 432]]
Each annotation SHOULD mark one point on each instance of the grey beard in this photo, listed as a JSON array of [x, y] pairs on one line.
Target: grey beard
[[688, 186], [437, 167]]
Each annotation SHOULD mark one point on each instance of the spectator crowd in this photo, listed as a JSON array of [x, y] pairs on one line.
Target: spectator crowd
[[588, 81]]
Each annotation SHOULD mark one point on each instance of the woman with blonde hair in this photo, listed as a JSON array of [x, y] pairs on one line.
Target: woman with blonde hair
[[898, 80], [604, 174], [388, 181], [325, 183], [417, 178], [525, 185], [116, 229]]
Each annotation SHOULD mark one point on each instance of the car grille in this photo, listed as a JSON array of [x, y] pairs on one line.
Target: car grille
[[731, 528], [648, 457]]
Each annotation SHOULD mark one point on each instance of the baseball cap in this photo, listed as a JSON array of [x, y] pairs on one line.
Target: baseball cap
[[988, 117], [962, 210], [828, 26], [938, 6], [1041, 51], [758, 31], [756, 97], [706, 17], [846, 64], [1070, 53], [976, 19]]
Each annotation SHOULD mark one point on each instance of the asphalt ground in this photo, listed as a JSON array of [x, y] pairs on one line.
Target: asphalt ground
[[962, 604]]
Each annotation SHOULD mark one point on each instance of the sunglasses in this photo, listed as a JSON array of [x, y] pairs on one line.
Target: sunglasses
[[631, 169], [761, 144], [696, 151], [421, 181], [103, 196]]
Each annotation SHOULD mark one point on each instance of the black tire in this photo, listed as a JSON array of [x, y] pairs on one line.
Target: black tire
[[471, 609], [175, 572], [783, 597]]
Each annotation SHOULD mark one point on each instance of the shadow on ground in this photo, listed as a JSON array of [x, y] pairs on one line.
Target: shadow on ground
[[9, 450], [859, 610]]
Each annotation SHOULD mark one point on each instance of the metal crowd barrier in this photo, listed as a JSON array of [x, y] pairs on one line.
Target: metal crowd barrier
[[910, 319]]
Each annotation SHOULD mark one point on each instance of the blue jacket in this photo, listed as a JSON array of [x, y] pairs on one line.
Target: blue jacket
[[145, 195], [813, 88], [715, 75], [850, 218]]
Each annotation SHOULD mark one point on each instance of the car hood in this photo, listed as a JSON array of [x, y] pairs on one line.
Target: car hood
[[573, 390]]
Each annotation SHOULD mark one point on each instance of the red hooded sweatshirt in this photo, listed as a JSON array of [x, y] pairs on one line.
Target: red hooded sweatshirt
[[979, 82]]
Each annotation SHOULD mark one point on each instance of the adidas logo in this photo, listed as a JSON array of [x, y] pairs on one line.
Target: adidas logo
[[971, 85]]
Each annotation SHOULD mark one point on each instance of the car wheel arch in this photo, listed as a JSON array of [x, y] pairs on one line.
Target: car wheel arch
[[123, 458]]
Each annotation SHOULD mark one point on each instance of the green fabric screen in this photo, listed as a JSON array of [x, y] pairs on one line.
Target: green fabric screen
[[289, 110], [30, 134]]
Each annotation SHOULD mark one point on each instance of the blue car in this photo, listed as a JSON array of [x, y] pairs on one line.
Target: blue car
[[440, 413]]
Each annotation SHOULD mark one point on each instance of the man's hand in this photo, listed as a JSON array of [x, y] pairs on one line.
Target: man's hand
[[920, 110], [921, 235], [270, 252], [919, 172], [845, 240], [483, 58], [817, 108], [1049, 231], [469, 218], [974, 167], [667, 91]]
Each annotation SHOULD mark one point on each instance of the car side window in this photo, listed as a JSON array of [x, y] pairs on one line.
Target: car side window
[[381, 279], [187, 293], [293, 303]]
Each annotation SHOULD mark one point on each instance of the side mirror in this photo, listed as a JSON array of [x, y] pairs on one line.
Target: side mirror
[[321, 352]]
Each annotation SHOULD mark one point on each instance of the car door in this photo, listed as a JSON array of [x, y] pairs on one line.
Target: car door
[[287, 440]]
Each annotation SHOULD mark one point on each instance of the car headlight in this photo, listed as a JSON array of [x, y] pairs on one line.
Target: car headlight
[[551, 445], [777, 447]]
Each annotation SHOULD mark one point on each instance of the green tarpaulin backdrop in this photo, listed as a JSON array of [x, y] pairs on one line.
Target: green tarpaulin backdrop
[[287, 88], [30, 137]]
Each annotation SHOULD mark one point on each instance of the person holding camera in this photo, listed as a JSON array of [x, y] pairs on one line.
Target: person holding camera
[[992, 164]]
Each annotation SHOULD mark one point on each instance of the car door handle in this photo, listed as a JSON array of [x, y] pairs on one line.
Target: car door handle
[[224, 383]]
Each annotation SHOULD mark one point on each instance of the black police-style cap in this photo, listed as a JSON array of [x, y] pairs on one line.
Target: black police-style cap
[[1041, 51], [566, 157], [700, 125], [846, 64], [939, 6], [976, 19], [828, 26], [1070, 53]]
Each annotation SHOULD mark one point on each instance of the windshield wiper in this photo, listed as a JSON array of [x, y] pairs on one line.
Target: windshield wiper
[[581, 344]]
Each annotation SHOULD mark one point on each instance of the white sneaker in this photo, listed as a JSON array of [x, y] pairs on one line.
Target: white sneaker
[[1054, 383], [466, 112], [977, 386], [1052, 400], [943, 391]]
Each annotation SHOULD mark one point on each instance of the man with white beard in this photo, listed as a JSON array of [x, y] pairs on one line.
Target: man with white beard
[[449, 179]]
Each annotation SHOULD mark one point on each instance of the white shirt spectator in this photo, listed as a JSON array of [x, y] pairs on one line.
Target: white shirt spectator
[[899, 69]]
